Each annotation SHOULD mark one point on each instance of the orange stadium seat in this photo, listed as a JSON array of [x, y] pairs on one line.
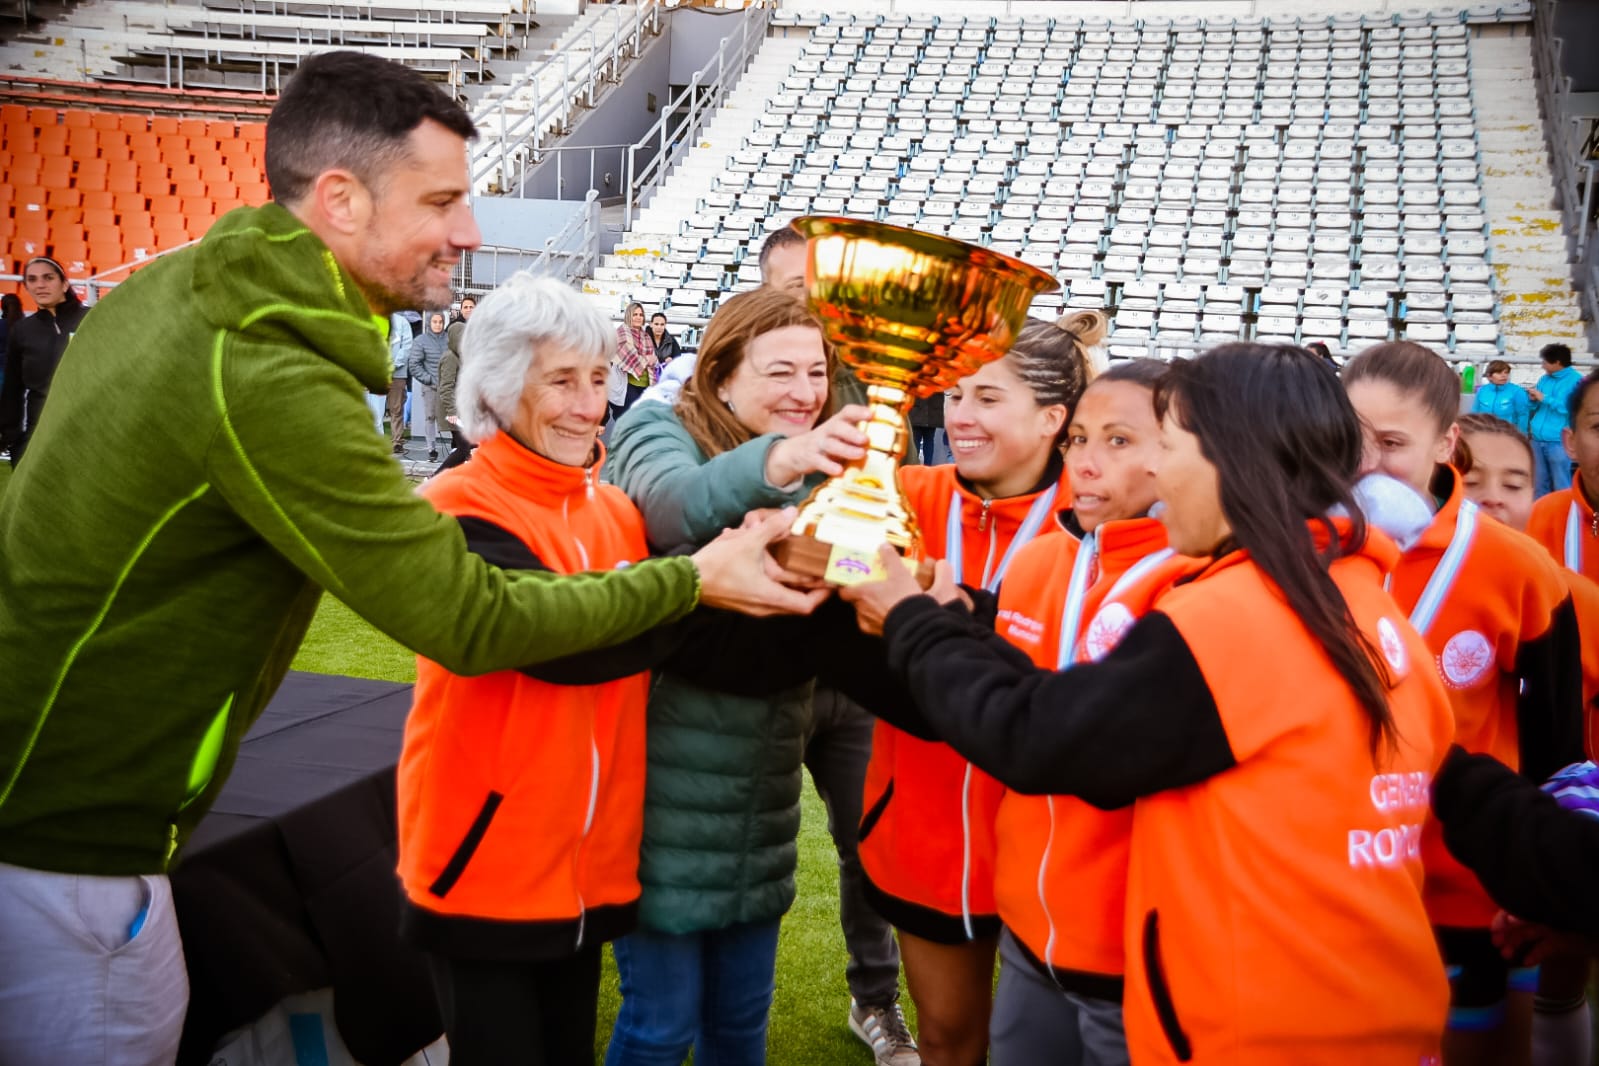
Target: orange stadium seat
[[165, 204], [24, 169], [163, 124], [219, 129], [130, 204], [253, 131], [188, 188], [122, 176], [76, 117], [64, 198], [56, 172], [43, 116], [14, 115], [199, 207], [222, 190], [30, 198], [144, 140], [132, 123], [152, 175], [184, 172], [105, 120], [83, 140], [91, 174], [254, 194], [99, 200], [99, 218], [115, 150], [52, 140], [192, 127]]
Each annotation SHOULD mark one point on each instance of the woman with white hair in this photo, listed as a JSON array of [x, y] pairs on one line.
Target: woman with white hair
[[521, 793]]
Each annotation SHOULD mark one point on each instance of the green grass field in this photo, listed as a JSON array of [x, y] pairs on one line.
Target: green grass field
[[809, 1013]]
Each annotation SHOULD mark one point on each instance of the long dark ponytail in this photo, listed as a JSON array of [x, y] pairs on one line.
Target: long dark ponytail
[[1286, 445]]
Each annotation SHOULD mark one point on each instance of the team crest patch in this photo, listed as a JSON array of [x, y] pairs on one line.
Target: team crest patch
[[1466, 659], [1107, 629], [1393, 646]]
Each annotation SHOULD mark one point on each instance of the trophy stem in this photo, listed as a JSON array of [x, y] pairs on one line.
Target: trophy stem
[[840, 528]]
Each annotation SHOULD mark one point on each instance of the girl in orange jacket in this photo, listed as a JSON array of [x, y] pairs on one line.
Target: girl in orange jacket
[[927, 835], [1498, 620], [1497, 467], [1274, 721], [1061, 870], [1565, 522]]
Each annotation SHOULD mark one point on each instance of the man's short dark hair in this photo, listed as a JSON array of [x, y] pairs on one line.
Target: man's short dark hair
[[353, 111], [778, 238], [1556, 353]]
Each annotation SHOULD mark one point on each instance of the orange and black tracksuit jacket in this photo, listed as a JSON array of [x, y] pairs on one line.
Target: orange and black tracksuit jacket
[[521, 793], [1274, 909], [1504, 642], [927, 834], [1061, 871], [1566, 524]]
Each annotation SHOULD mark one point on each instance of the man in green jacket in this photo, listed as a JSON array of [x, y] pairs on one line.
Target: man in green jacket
[[207, 469]]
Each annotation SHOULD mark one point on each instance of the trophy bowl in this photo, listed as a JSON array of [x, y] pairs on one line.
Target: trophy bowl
[[910, 313]]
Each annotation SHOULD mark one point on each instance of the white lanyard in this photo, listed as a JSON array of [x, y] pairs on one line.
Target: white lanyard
[[1042, 508], [1443, 578], [1071, 616], [1071, 619], [1574, 538]]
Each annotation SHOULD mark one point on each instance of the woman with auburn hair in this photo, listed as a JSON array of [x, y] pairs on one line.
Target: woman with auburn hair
[[753, 428], [1500, 627], [1272, 721], [927, 837]]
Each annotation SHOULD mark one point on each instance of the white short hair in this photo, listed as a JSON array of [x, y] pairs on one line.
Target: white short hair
[[510, 327]]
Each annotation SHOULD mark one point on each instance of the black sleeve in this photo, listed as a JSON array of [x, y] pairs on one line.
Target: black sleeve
[[1549, 709], [1536, 859], [985, 605], [715, 649], [1137, 722], [11, 389], [857, 665]]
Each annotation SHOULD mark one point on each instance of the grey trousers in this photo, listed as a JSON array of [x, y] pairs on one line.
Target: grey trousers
[[836, 754], [91, 970], [1036, 1023]]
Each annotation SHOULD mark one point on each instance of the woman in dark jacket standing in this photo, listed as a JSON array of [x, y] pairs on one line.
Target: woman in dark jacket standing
[[721, 803], [665, 344], [33, 349]]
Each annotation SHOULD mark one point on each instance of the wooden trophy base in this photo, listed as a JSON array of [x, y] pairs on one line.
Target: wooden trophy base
[[806, 555]]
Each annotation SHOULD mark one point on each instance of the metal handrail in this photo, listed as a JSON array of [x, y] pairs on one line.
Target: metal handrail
[[560, 152], [700, 104], [571, 252], [514, 139]]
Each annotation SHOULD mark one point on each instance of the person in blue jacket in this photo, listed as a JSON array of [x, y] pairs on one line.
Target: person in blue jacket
[[1502, 399], [1550, 417]]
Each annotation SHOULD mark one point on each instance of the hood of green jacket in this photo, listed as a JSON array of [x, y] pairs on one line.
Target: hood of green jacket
[[284, 298]]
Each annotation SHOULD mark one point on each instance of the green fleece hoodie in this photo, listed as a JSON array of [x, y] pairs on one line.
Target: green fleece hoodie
[[207, 468]]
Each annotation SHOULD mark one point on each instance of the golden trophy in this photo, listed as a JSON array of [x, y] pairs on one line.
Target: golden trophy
[[910, 313]]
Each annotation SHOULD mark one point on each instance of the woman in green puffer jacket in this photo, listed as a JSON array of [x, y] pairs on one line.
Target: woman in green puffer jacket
[[750, 430]]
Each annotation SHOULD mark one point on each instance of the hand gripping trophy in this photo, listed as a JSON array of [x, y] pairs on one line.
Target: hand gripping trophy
[[910, 313]]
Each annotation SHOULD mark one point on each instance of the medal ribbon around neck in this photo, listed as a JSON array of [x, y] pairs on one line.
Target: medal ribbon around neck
[[1443, 578], [954, 549]]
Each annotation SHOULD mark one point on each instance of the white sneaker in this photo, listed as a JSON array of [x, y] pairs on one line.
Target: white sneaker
[[883, 1030]]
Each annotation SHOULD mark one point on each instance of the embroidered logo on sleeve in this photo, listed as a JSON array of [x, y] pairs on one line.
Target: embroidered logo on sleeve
[[1466, 659], [1107, 629], [1393, 646]]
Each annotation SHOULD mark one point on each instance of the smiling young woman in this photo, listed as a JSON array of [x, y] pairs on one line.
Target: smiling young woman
[[927, 839]]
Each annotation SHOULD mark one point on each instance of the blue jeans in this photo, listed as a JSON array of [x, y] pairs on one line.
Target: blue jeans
[[709, 991], [1553, 466]]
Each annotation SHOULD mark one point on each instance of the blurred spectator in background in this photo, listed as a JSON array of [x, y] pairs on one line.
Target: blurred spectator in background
[[635, 359], [33, 350], [400, 355], [427, 352], [665, 344], [1550, 417], [1502, 399]]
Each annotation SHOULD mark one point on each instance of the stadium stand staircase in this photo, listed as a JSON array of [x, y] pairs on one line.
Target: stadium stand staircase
[[1285, 178], [1531, 261]]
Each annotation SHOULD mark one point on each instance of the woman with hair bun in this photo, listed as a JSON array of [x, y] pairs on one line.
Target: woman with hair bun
[[1272, 720], [1500, 628], [927, 837]]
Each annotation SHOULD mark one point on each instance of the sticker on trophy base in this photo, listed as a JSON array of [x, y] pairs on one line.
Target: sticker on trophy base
[[847, 566]]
